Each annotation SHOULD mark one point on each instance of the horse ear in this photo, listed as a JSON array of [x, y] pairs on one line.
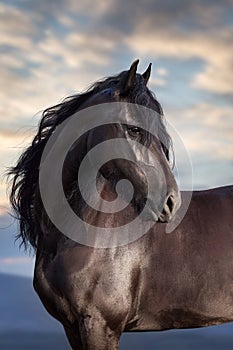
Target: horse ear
[[146, 74], [128, 81]]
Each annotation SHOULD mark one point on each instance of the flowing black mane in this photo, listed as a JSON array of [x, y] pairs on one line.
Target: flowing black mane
[[25, 173]]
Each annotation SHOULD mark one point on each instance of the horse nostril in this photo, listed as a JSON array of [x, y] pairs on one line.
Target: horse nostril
[[170, 203], [168, 209]]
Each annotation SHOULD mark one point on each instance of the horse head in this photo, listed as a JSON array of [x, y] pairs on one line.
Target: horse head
[[149, 144]]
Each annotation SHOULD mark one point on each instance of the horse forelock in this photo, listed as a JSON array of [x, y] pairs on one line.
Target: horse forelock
[[25, 173]]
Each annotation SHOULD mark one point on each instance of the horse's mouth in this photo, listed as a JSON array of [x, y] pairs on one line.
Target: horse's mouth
[[156, 216], [147, 212]]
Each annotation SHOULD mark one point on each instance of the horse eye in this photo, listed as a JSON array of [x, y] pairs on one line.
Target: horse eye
[[134, 131]]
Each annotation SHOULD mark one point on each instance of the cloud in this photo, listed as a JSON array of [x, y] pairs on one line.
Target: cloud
[[12, 144], [214, 49], [74, 50], [180, 30], [216, 77], [206, 130], [156, 15], [15, 260], [15, 18], [39, 68], [160, 78], [56, 9]]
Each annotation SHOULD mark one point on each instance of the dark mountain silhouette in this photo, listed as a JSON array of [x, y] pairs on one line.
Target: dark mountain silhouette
[[21, 309]]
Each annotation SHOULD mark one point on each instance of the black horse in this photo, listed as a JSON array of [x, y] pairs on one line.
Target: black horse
[[157, 282]]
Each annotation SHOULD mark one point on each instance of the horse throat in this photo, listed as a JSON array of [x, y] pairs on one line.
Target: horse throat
[[100, 218]]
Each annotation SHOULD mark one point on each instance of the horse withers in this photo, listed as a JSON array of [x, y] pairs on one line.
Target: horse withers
[[155, 282]]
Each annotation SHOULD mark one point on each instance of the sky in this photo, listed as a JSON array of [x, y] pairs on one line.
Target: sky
[[52, 49]]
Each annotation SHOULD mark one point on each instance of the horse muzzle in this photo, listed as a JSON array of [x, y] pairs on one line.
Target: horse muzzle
[[164, 213], [171, 204]]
